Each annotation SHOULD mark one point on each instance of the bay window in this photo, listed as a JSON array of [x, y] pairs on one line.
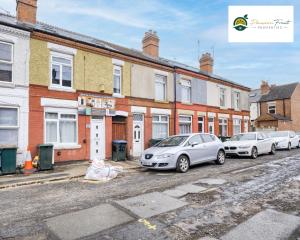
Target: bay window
[[160, 126], [185, 124], [236, 126], [6, 62], [61, 127], [117, 76], [186, 91], [223, 127], [9, 126], [61, 70], [160, 87]]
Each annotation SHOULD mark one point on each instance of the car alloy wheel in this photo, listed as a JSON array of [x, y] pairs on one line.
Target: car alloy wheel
[[254, 153], [183, 164], [221, 157]]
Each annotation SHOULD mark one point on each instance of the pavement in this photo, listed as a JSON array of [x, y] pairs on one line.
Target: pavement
[[62, 171]]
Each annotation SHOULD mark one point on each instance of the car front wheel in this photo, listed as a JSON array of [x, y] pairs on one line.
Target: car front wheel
[[183, 164], [273, 149], [298, 146], [220, 157], [254, 153]]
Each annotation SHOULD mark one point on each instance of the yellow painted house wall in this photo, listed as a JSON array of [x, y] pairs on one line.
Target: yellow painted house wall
[[91, 72]]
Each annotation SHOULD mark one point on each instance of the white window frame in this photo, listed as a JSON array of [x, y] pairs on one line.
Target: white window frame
[[60, 111], [235, 121], [246, 129], [117, 67], [190, 122], [272, 105], [162, 80], [222, 124], [222, 92], [67, 57], [18, 121], [162, 122], [186, 84], [203, 124], [236, 100], [213, 125], [11, 62]]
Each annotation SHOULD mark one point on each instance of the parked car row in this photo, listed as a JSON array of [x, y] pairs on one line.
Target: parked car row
[[182, 151]]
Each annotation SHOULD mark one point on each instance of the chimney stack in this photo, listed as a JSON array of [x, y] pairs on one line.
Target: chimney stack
[[264, 87], [206, 63], [26, 11], [151, 43]]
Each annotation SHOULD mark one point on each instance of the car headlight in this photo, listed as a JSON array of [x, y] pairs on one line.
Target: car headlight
[[166, 155], [245, 146]]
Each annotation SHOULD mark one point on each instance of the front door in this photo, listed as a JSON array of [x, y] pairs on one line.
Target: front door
[[97, 138], [138, 134]]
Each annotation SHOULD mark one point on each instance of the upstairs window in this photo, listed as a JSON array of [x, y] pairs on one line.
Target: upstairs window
[[160, 87], [117, 75], [6, 62], [61, 70], [222, 97], [186, 91], [272, 108], [236, 100]]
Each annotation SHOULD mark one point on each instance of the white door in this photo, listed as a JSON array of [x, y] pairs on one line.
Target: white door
[[97, 138], [211, 125], [138, 134]]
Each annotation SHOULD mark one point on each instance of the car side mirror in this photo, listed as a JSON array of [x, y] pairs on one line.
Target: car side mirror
[[194, 144]]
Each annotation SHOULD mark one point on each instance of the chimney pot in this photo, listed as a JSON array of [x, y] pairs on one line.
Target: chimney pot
[[151, 43], [206, 63], [26, 11]]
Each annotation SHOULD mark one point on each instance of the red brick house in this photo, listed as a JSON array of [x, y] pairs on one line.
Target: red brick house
[[279, 107]]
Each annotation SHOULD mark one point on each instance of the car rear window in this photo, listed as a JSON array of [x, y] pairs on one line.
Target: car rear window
[[207, 138]]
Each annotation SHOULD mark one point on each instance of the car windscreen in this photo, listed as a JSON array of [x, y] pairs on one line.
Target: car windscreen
[[243, 137], [279, 134], [172, 141]]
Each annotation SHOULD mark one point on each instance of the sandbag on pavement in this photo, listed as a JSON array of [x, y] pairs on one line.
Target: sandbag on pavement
[[99, 171]]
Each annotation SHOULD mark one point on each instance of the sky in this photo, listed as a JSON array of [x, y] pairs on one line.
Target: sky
[[186, 29]]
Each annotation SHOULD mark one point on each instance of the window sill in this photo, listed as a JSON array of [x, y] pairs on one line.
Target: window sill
[[118, 95], [54, 88], [221, 107], [161, 101], [66, 146], [187, 103], [7, 84]]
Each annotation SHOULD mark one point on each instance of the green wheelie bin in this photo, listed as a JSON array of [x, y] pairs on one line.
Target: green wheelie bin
[[45, 156], [8, 159], [119, 150]]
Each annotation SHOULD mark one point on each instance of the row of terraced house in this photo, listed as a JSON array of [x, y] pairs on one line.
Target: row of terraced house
[[80, 93]]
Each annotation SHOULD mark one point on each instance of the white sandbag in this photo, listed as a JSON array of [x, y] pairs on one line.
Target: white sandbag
[[99, 171]]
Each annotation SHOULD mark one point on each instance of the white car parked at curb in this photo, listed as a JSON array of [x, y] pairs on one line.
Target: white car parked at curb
[[285, 139], [249, 144]]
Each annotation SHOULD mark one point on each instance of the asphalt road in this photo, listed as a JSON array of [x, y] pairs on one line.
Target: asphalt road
[[252, 185]]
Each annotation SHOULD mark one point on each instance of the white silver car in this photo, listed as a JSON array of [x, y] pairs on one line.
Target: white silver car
[[181, 151], [249, 144], [285, 139]]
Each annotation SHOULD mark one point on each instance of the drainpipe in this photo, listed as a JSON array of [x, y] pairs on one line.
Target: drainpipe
[[175, 98]]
